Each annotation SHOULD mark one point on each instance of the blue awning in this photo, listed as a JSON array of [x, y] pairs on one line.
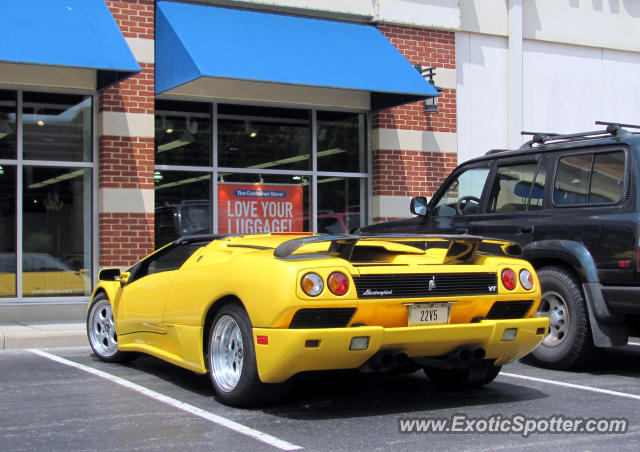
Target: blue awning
[[66, 33], [196, 41]]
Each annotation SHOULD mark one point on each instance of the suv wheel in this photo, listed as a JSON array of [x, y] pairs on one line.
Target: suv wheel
[[569, 344]]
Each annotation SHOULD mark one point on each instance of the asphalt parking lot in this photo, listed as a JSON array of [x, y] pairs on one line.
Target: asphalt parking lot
[[65, 399]]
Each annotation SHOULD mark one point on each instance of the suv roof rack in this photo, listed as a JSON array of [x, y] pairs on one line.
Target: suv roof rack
[[614, 129]]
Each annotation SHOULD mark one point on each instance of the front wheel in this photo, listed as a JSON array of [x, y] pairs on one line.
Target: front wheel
[[232, 360], [474, 376], [101, 331], [569, 344]]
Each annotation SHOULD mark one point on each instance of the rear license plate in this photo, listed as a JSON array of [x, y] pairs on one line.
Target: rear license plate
[[428, 314]]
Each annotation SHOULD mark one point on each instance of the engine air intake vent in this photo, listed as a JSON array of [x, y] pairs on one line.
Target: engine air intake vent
[[509, 309], [322, 318]]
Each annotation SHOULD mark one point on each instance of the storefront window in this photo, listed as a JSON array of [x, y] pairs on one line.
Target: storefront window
[[260, 137], [7, 231], [56, 127], [183, 133], [46, 193], [7, 125], [266, 179], [341, 142], [183, 205], [56, 258], [340, 202]]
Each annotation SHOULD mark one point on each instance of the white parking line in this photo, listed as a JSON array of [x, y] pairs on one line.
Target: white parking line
[[574, 386], [239, 428]]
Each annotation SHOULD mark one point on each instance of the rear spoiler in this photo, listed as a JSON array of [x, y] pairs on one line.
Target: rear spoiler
[[460, 248]]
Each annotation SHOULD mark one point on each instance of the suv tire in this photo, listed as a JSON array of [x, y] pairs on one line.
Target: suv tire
[[569, 344]]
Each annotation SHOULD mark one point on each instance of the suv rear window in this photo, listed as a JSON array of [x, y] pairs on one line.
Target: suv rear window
[[589, 179]]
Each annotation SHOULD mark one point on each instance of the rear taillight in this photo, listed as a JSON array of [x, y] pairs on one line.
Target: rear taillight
[[508, 278], [338, 283], [526, 279], [312, 284]]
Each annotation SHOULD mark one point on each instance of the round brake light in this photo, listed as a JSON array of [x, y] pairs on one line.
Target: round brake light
[[526, 279], [508, 278], [312, 284], [338, 283]]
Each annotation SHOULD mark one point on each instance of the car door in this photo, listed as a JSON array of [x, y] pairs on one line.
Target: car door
[[514, 200], [143, 299], [590, 202]]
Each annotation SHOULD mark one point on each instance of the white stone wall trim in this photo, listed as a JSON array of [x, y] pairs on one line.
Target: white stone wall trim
[[143, 49], [126, 200], [414, 140], [391, 206], [127, 124]]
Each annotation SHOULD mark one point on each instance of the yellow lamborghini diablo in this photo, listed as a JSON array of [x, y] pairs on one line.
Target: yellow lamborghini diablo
[[254, 310]]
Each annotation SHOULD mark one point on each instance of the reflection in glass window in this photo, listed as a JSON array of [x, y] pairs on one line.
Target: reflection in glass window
[[512, 187], [572, 180], [341, 141], [56, 231], [263, 138], [340, 202], [183, 133], [7, 231], [7, 124], [249, 203], [182, 203], [463, 194], [607, 180], [57, 127]]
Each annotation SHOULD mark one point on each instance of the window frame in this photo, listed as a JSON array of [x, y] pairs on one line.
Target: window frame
[[20, 163], [593, 152]]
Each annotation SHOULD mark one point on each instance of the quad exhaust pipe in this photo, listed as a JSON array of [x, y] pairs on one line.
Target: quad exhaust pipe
[[387, 360]]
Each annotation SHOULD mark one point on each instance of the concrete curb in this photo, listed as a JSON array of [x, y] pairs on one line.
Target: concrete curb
[[41, 335]]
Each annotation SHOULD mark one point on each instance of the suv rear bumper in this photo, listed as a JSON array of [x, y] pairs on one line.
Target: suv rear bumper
[[622, 299]]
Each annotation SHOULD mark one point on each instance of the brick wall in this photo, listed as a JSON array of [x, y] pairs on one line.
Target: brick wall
[[401, 172], [126, 162], [410, 173]]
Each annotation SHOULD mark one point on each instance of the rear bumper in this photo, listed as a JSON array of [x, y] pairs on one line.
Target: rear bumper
[[288, 352]]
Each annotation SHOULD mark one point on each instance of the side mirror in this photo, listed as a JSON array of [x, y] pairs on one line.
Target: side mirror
[[418, 206], [109, 274], [124, 278]]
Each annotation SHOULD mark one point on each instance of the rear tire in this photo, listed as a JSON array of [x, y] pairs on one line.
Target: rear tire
[[474, 376], [231, 360], [569, 344], [101, 332]]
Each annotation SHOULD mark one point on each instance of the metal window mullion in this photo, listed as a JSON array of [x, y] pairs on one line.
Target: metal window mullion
[[264, 171], [95, 239], [214, 150], [314, 171], [345, 175], [183, 168], [57, 164], [368, 216], [19, 197]]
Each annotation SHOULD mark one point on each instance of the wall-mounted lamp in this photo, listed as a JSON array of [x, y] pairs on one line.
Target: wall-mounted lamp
[[430, 103]]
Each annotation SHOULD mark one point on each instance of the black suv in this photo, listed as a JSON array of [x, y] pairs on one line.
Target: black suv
[[573, 203]]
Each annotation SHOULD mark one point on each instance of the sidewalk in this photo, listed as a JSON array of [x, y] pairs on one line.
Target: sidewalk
[[16, 335]]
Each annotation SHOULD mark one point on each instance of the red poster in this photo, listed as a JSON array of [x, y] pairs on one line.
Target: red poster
[[258, 208]]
